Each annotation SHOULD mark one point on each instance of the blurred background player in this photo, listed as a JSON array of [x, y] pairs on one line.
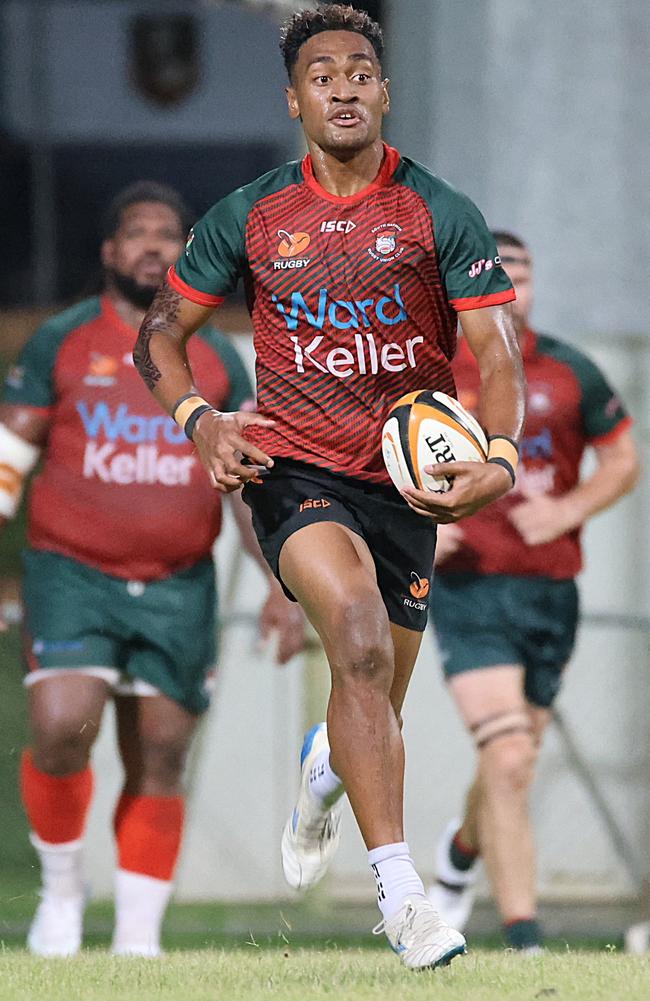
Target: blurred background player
[[119, 587], [353, 304], [505, 603]]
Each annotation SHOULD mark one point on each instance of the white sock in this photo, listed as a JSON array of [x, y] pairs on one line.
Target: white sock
[[61, 866], [396, 877], [140, 905], [324, 783]]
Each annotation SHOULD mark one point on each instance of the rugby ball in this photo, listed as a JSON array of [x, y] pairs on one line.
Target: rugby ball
[[426, 428]]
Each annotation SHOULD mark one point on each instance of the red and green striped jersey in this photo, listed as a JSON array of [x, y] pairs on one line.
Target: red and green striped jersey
[[353, 299], [120, 488], [570, 405]]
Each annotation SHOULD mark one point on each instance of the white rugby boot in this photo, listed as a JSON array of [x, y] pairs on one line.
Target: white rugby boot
[[454, 891], [57, 926], [312, 832], [420, 937]]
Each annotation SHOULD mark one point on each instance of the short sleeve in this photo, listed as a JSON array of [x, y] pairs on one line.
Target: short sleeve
[[214, 255], [603, 413], [29, 382], [470, 266]]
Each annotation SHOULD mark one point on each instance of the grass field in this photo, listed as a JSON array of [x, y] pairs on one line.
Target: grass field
[[342, 975]]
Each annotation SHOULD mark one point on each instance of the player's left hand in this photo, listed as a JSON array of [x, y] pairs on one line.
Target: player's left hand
[[283, 621], [474, 485], [543, 519]]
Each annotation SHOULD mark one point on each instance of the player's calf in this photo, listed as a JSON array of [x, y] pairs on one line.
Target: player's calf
[[506, 771]]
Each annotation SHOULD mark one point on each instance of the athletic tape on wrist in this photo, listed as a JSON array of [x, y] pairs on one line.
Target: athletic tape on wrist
[[503, 451], [17, 458], [185, 406], [188, 409]]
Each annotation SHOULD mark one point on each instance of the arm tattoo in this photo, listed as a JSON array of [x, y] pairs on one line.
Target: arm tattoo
[[161, 315]]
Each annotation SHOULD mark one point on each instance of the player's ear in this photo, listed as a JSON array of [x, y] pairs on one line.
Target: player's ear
[[385, 86], [107, 253], [292, 102]]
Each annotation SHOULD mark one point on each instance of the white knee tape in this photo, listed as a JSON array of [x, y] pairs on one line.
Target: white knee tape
[[17, 458]]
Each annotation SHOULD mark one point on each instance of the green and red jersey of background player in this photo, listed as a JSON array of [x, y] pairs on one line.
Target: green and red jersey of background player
[[120, 488], [353, 299], [570, 405]]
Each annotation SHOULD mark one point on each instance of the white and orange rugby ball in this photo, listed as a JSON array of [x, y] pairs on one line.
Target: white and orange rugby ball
[[426, 428]]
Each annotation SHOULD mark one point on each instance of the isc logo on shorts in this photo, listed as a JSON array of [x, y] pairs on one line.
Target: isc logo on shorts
[[320, 502]]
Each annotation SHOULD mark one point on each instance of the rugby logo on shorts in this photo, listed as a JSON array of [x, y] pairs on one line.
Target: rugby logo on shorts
[[419, 586]]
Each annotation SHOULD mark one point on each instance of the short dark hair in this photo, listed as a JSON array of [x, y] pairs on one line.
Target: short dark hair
[[505, 237], [304, 24], [145, 191]]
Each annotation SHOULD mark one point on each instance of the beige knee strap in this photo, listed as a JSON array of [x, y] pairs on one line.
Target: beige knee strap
[[516, 721]]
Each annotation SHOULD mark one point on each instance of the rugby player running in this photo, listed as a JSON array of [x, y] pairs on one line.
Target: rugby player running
[[505, 605], [356, 261], [119, 584]]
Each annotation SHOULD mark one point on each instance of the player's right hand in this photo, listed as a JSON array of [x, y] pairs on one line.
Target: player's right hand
[[221, 446]]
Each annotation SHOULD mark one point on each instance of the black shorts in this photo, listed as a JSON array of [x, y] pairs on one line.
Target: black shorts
[[402, 543]]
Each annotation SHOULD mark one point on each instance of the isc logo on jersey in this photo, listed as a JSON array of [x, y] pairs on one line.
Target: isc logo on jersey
[[145, 464], [337, 226]]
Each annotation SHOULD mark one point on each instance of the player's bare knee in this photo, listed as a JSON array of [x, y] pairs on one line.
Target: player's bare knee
[[64, 746], [363, 647], [163, 761], [508, 763]]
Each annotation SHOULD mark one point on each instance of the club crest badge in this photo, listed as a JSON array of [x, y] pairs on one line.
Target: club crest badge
[[386, 245]]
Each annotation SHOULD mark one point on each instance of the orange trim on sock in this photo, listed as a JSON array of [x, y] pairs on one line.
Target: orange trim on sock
[[149, 830], [56, 805], [463, 848], [515, 921]]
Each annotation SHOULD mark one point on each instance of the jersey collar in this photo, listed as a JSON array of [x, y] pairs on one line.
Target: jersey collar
[[114, 318], [382, 180]]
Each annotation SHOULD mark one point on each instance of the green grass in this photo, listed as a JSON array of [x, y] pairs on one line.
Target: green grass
[[344, 975]]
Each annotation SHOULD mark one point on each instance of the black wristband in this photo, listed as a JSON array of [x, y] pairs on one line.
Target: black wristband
[[499, 461], [190, 423]]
